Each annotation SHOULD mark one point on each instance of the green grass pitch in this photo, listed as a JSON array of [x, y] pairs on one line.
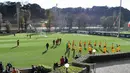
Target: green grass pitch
[[30, 50]]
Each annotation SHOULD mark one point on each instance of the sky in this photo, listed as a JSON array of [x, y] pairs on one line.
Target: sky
[[76, 3]]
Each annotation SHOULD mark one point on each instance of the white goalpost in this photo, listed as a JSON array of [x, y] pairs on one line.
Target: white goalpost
[[41, 32]]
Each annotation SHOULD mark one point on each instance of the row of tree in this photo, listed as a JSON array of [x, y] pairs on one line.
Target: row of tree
[[8, 9], [67, 17], [79, 18]]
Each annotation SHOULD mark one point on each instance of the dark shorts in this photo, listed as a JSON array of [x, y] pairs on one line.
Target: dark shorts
[[99, 45], [90, 52], [104, 52], [80, 51]]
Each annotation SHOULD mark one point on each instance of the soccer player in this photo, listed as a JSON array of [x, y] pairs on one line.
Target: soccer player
[[17, 42], [53, 43], [57, 41], [30, 36], [100, 44], [69, 44], [113, 50], [66, 48], [112, 46], [90, 49], [14, 34], [89, 42], [62, 61], [80, 43], [80, 49], [74, 48], [84, 45], [47, 46], [118, 48], [104, 49], [95, 43]]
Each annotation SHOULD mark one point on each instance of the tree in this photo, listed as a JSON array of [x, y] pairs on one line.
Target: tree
[[111, 22], [27, 16], [22, 23], [70, 19], [0, 21], [7, 26], [49, 19], [82, 20], [107, 22]]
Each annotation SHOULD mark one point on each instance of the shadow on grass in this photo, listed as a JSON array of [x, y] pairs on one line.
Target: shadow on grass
[[101, 50], [97, 50], [107, 51], [52, 47], [13, 47], [44, 52]]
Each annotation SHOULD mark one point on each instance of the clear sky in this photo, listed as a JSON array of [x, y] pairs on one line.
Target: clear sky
[[76, 3]]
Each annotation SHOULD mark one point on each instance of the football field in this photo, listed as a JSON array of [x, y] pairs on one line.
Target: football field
[[30, 51]]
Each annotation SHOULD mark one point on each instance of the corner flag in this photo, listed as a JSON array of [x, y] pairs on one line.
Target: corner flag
[[129, 24]]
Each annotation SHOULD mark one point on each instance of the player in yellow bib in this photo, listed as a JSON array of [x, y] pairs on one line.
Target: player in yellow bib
[[118, 48], [69, 46], [80, 49], [89, 42], [74, 48], [112, 47], [80, 43], [113, 50], [100, 44], [90, 49], [104, 49]]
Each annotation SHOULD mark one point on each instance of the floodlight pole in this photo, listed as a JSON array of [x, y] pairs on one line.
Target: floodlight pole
[[119, 19]]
